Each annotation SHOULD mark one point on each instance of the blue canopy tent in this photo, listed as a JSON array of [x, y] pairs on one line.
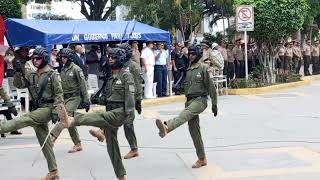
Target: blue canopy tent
[[22, 32]]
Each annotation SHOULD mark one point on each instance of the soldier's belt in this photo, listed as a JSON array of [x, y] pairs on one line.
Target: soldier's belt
[[193, 97], [114, 105], [43, 102], [69, 95]]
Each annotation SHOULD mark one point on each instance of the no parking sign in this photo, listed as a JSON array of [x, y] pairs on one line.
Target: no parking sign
[[245, 18]]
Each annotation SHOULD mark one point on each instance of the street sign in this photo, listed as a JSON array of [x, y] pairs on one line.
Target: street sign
[[245, 18]]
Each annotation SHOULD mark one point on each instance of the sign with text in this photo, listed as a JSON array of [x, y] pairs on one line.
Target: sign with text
[[245, 18]]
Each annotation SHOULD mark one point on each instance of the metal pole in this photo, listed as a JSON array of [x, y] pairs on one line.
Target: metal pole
[[246, 53]]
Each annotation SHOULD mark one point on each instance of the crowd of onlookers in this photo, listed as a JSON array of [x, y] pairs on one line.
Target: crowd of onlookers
[[166, 66]]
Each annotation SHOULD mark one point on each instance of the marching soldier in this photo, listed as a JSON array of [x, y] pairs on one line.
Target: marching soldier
[[73, 84], [45, 85], [135, 70], [307, 57], [315, 57], [120, 102], [198, 85]]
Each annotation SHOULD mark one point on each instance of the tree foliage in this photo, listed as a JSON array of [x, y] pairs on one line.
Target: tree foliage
[[10, 9], [276, 20]]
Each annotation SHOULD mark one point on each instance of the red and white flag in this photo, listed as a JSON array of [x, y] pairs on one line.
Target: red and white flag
[[3, 49]]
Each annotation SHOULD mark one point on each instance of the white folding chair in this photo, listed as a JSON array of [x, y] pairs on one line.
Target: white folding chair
[[24, 93], [92, 84]]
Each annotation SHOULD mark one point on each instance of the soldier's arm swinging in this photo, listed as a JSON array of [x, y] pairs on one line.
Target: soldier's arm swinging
[[129, 101], [208, 81]]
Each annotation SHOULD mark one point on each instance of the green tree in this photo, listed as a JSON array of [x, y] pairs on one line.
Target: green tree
[[275, 20], [10, 9]]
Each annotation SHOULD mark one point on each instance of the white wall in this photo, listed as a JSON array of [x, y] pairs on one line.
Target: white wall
[[59, 7]]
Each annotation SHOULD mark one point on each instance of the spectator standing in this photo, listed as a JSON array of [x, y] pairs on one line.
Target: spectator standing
[[54, 64], [148, 61], [179, 65], [160, 69], [217, 63], [306, 57], [136, 53], [315, 58], [80, 60], [9, 67], [207, 52], [224, 54], [287, 57], [230, 59], [92, 60], [297, 56], [281, 51], [239, 59]]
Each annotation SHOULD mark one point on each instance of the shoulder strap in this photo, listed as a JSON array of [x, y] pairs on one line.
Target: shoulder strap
[[44, 84]]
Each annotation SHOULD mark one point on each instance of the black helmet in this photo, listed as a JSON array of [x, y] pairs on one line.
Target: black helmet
[[43, 53], [68, 53], [128, 50], [119, 55], [197, 50]]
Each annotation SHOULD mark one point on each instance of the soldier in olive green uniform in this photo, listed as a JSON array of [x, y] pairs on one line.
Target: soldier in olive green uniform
[[11, 109], [135, 70], [44, 107], [120, 102], [73, 84], [197, 85]]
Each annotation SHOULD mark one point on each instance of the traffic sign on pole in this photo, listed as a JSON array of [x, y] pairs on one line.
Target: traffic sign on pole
[[245, 22], [245, 18]]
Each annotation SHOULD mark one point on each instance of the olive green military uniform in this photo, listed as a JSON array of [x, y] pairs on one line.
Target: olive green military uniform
[[135, 70], [197, 86], [73, 84], [39, 118], [119, 99], [5, 97]]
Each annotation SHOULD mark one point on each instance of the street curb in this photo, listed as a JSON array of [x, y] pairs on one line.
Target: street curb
[[252, 91]]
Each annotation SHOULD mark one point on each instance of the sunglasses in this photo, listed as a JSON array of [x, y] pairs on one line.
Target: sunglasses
[[192, 54], [36, 58], [64, 56]]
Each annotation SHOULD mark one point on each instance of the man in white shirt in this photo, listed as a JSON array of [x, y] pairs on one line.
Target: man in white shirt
[[160, 69], [148, 61]]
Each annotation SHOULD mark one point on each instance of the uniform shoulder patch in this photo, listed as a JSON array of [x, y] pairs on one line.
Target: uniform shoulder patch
[[81, 73]]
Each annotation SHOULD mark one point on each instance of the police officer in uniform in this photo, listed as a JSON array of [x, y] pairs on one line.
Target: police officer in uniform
[[198, 85], [315, 58], [307, 57], [135, 70], [73, 84], [45, 85], [120, 101]]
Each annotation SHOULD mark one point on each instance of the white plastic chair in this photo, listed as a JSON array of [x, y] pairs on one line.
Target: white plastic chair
[[24, 93], [220, 79], [92, 84]]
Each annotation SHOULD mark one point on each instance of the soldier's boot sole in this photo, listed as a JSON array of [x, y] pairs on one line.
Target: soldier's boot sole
[[51, 176], [162, 128], [97, 134], [75, 148], [131, 154], [199, 163]]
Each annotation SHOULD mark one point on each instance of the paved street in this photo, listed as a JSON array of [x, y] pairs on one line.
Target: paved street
[[264, 137]]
